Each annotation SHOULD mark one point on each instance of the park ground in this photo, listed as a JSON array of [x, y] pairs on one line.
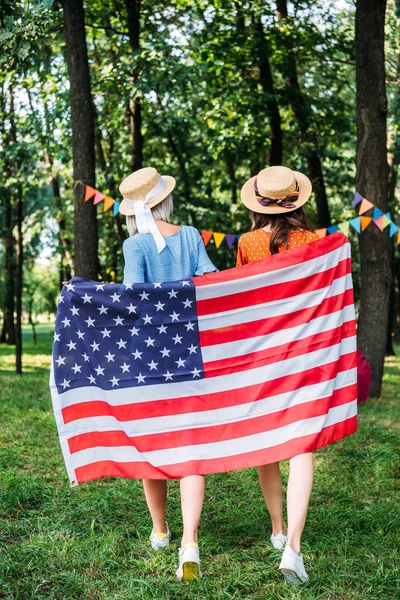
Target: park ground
[[91, 542]]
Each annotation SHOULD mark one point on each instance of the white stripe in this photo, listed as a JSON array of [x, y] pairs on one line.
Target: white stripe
[[277, 338], [275, 308], [215, 450], [222, 383], [283, 275], [219, 416]]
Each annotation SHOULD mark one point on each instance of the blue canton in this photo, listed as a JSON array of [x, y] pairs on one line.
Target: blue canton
[[117, 336]]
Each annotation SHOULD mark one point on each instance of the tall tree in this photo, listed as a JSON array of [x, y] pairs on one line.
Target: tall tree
[[83, 140], [301, 111], [372, 182], [135, 107]]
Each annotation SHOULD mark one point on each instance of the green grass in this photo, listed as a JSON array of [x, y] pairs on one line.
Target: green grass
[[91, 542]]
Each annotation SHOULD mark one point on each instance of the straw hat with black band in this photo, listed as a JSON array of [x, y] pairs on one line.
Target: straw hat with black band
[[141, 191], [276, 190]]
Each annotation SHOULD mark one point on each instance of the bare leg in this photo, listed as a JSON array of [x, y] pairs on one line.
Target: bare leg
[[156, 497], [270, 480], [192, 498], [298, 496]]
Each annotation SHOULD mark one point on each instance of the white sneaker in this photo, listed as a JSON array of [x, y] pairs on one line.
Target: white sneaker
[[189, 562], [160, 540], [292, 567], [279, 540]]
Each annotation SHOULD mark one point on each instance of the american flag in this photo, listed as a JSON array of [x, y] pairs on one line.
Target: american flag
[[225, 371]]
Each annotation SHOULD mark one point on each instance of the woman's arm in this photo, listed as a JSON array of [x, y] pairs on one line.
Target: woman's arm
[[134, 267]]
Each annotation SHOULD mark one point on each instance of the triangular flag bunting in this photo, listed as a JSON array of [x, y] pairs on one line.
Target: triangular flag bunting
[[116, 208], [357, 199], [344, 227], [393, 229], [238, 237], [230, 238], [376, 213], [332, 229], [206, 235], [364, 206], [365, 221], [398, 238], [89, 193], [320, 232], [98, 197], [378, 222], [386, 221], [355, 223], [218, 238], [108, 202]]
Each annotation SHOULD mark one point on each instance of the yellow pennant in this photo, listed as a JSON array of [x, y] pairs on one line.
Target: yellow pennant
[[108, 202], [218, 238]]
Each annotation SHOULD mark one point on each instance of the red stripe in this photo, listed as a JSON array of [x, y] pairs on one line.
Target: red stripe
[[276, 262], [269, 325], [302, 445], [278, 354], [215, 433], [177, 406], [275, 292]]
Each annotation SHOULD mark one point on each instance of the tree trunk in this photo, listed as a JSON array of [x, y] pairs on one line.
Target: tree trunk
[[135, 108], [372, 183], [83, 143], [308, 140], [8, 328], [267, 84], [19, 284]]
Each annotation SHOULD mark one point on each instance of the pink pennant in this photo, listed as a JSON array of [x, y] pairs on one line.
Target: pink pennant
[[98, 197], [379, 222]]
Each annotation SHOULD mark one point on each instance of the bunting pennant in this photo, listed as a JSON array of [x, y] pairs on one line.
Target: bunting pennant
[[116, 208], [321, 232], [230, 239], [393, 229], [398, 237], [98, 197], [365, 221], [332, 229], [378, 222], [344, 227], [386, 220], [108, 202], [376, 214], [206, 235], [356, 224], [218, 238], [357, 199], [364, 206], [89, 193]]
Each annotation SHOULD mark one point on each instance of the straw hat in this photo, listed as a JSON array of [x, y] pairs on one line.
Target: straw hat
[[145, 185], [276, 190]]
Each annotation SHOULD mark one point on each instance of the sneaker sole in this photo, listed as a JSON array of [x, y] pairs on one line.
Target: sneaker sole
[[190, 571], [292, 577]]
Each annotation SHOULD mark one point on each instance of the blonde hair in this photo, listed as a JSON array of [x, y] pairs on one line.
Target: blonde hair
[[160, 212]]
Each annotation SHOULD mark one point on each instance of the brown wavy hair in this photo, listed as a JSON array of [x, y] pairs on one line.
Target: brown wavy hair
[[281, 226]]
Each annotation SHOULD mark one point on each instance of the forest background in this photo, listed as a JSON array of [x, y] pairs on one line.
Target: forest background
[[209, 92]]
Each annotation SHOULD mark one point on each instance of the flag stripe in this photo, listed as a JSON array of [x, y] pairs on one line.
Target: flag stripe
[[268, 324], [273, 292], [213, 430], [219, 449], [174, 407]]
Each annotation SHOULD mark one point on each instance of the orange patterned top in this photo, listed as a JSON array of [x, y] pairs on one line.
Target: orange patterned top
[[255, 244]]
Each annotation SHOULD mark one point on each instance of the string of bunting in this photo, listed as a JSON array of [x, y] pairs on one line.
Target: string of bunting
[[359, 224]]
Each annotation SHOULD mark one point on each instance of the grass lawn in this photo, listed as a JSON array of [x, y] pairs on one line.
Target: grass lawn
[[91, 542]]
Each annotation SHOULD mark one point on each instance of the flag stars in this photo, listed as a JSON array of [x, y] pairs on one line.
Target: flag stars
[[131, 308], [86, 298], [144, 296], [188, 303], [153, 365], [137, 354], [157, 285], [99, 370], [71, 346], [189, 326], [95, 346], [91, 379], [119, 321], [180, 362], [162, 329], [121, 344], [66, 322], [159, 306], [114, 381], [66, 384], [128, 286], [60, 361], [115, 297], [110, 357], [70, 287], [147, 319], [125, 368], [168, 376], [100, 287], [172, 294], [74, 310], [149, 341], [177, 339], [85, 357], [105, 332], [80, 335], [195, 373], [134, 331], [90, 322], [103, 310], [140, 378], [174, 316], [185, 283], [165, 352], [56, 337], [192, 349]]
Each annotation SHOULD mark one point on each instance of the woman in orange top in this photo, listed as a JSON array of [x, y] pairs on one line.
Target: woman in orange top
[[275, 197]]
